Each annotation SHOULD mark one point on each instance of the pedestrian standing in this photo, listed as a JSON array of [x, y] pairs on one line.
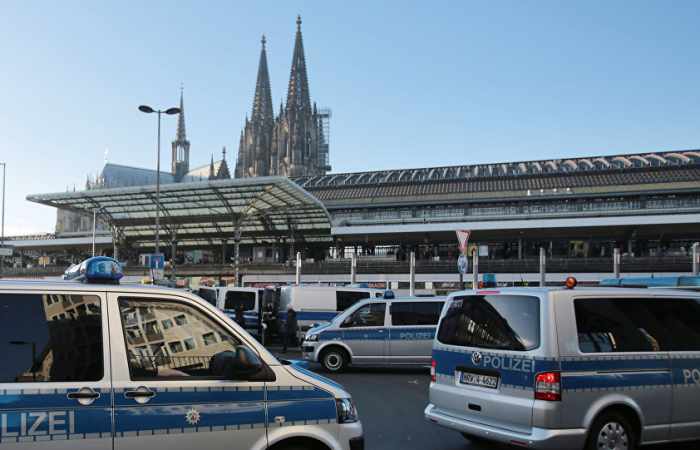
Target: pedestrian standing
[[240, 315], [290, 330]]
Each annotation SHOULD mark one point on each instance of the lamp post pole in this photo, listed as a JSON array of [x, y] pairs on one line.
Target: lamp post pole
[[170, 111], [158, 190], [2, 226]]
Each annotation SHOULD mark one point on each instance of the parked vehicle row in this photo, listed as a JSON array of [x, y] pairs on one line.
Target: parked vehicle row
[[98, 365]]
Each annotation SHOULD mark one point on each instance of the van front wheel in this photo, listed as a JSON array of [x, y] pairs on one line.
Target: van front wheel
[[334, 359], [612, 431]]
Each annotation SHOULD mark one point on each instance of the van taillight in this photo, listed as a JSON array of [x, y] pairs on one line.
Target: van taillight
[[548, 386], [433, 364]]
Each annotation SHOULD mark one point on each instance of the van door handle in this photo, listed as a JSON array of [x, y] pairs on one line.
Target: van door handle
[[141, 394], [85, 396]]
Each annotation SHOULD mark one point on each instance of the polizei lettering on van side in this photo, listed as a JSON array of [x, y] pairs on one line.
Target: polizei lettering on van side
[[37, 423], [506, 363]]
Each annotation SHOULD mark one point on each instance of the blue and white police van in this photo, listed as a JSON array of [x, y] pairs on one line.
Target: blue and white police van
[[98, 365], [384, 331], [598, 368]]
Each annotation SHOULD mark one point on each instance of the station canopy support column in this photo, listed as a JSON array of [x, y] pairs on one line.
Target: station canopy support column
[[206, 213]]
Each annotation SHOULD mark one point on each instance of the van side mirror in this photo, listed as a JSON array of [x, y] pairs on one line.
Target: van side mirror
[[239, 365]]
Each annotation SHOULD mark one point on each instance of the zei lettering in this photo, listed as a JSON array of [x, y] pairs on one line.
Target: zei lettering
[[37, 423], [691, 376], [508, 363]]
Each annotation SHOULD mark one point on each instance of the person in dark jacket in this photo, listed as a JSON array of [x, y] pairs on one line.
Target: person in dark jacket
[[240, 318], [290, 330]]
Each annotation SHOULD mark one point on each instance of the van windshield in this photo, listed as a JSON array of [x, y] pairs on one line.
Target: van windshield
[[236, 299], [505, 322]]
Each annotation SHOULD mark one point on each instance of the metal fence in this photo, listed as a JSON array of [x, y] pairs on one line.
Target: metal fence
[[659, 264]]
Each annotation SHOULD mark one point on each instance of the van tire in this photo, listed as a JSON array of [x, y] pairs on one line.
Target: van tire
[[615, 423], [334, 359]]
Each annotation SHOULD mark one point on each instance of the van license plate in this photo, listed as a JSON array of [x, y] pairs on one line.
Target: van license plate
[[477, 379]]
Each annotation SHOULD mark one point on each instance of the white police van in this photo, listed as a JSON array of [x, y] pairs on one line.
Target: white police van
[[599, 368], [229, 299], [98, 365], [320, 304], [384, 331]]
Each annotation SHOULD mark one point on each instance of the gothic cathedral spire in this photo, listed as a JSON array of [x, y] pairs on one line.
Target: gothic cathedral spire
[[262, 101], [298, 89], [181, 146], [256, 140], [291, 143]]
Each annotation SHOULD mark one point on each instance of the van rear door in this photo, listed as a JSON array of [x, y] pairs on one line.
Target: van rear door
[[484, 360]]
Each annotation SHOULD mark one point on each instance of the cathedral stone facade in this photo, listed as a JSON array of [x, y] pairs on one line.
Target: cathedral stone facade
[[293, 143]]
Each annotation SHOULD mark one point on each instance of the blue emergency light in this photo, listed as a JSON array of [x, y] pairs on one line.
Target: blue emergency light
[[389, 294], [98, 269]]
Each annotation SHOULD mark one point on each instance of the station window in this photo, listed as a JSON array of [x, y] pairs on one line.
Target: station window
[[40, 342]]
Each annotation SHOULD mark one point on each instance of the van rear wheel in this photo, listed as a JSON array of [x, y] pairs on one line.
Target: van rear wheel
[[334, 359], [612, 431]]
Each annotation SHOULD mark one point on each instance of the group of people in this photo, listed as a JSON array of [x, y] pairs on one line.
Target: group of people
[[289, 329]]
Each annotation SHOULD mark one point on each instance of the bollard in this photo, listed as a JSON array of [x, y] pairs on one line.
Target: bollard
[[412, 275], [616, 262], [543, 267], [298, 275], [475, 268], [353, 268]]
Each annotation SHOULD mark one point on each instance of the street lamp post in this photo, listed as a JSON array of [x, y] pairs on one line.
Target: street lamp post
[[170, 111], [2, 221]]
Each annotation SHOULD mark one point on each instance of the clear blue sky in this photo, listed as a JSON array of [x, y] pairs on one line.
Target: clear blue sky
[[410, 83]]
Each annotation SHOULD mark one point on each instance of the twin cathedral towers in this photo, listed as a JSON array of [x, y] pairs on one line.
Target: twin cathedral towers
[[295, 142]]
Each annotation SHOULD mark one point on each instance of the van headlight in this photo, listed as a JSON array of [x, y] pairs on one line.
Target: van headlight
[[347, 412], [311, 338]]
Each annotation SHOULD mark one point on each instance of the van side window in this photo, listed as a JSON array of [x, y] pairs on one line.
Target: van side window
[[184, 350], [209, 295], [50, 338], [415, 313], [234, 299], [621, 325], [370, 315], [345, 299], [683, 322]]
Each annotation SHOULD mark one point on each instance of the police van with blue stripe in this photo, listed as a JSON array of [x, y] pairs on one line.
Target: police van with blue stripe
[[598, 368], [385, 331], [98, 365]]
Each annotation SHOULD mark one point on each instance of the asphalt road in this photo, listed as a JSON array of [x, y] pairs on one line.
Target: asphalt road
[[391, 403]]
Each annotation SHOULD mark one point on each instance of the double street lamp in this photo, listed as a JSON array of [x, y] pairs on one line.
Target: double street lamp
[[170, 111]]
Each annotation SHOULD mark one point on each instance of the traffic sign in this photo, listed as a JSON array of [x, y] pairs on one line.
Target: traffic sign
[[5, 251], [462, 264]]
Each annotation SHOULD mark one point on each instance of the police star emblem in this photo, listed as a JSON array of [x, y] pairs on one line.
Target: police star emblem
[[192, 416]]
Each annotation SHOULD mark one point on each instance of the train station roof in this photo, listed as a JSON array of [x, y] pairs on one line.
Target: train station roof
[[264, 209]]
